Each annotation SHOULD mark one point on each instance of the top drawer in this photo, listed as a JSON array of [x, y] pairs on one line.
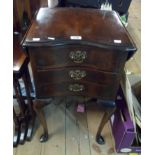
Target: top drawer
[[77, 55]]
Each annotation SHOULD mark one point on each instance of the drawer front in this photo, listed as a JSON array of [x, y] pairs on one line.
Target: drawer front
[[75, 74], [107, 92], [87, 56]]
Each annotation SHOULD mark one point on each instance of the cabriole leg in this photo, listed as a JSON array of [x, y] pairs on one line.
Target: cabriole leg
[[38, 105], [105, 118]]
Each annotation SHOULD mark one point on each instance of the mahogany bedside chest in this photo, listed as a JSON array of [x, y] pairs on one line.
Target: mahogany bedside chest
[[77, 52]]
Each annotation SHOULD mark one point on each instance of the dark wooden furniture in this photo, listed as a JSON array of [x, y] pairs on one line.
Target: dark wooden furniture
[[23, 121], [23, 13], [80, 52]]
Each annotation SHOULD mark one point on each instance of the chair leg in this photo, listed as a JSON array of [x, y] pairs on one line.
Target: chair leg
[[22, 106], [17, 129], [38, 105], [105, 118], [18, 95], [23, 130], [30, 114], [27, 89]]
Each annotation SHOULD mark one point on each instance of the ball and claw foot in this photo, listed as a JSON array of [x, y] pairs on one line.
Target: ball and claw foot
[[100, 140], [43, 138]]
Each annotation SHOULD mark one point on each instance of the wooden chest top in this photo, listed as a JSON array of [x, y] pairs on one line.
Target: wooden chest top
[[98, 27]]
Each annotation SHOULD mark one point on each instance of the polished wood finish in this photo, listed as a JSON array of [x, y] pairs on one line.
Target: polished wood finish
[[102, 50], [95, 26], [19, 58], [51, 57], [90, 90], [79, 74]]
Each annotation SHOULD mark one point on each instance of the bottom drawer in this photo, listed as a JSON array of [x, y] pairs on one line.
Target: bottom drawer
[[107, 92]]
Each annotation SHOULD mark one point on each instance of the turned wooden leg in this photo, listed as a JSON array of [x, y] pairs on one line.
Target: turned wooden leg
[[105, 118], [30, 114], [38, 105], [23, 131], [22, 106], [17, 129], [27, 89], [18, 96]]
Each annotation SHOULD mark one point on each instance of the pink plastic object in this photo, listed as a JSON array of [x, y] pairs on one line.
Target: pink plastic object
[[80, 108]]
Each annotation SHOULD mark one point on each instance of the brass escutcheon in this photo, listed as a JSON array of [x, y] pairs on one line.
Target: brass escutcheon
[[78, 56], [76, 87], [77, 74]]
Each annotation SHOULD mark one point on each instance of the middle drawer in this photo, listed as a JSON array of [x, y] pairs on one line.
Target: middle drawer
[[75, 74]]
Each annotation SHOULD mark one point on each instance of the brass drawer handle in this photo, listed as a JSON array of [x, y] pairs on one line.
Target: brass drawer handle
[[78, 56], [77, 74], [76, 87]]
